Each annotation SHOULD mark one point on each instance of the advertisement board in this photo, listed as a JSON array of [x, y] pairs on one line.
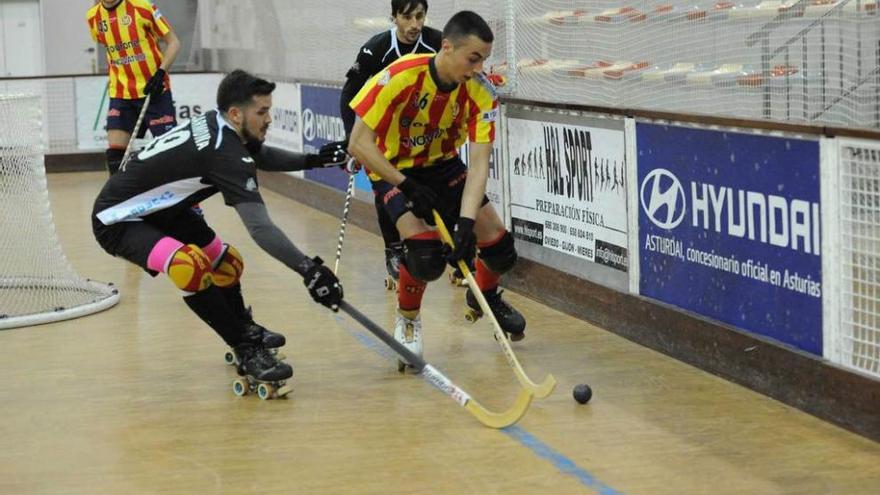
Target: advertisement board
[[729, 228], [194, 94], [568, 194], [321, 124]]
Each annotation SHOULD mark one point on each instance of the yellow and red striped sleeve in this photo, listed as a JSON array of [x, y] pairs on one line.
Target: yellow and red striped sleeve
[[483, 111]]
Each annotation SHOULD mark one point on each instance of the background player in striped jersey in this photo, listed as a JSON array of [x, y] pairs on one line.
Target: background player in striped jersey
[[409, 35], [412, 119], [131, 31]]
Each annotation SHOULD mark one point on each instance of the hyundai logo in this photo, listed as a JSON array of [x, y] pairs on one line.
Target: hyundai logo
[[308, 124], [661, 188]]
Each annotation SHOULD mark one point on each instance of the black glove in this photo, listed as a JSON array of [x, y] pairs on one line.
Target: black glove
[[465, 242], [419, 199], [330, 155], [323, 285], [156, 85]]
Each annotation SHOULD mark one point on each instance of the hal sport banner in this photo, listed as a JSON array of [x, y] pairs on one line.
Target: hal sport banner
[[194, 94], [321, 124], [729, 228], [568, 196]]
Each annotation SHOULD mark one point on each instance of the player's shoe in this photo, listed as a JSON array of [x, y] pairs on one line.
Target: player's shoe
[[393, 257], [260, 371], [511, 321], [257, 334], [408, 331], [259, 363]]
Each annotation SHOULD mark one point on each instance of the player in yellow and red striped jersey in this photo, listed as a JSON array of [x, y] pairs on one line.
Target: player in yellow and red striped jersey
[[131, 31], [412, 118]]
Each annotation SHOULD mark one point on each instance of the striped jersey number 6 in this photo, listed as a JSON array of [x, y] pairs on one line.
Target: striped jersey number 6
[[164, 143]]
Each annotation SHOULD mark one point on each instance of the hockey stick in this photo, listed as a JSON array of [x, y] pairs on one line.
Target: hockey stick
[[348, 195], [137, 128], [433, 376], [539, 390]]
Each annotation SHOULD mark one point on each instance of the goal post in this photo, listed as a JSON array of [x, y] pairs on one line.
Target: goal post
[[37, 283]]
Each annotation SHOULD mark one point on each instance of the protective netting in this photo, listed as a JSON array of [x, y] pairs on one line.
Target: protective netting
[[802, 61], [37, 283], [58, 95], [859, 340]]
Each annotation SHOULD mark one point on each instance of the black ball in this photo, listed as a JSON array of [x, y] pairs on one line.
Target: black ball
[[582, 393]]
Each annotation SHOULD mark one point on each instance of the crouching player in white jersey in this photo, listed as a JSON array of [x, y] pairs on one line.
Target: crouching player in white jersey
[[144, 214]]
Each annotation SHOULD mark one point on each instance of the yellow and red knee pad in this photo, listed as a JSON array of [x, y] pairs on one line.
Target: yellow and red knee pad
[[228, 267], [190, 269]]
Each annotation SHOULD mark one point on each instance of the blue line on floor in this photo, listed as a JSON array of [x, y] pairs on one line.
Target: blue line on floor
[[539, 448], [562, 463]]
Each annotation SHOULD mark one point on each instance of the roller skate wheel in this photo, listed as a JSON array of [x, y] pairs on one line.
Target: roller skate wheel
[[471, 315], [265, 391], [390, 283], [240, 387], [283, 391], [229, 357], [401, 366]]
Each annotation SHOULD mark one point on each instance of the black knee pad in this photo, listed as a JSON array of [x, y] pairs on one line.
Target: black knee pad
[[114, 159], [424, 259], [501, 256]]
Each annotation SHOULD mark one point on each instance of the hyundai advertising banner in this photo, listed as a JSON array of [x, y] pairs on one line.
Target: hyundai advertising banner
[[729, 227], [321, 124], [567, 177]]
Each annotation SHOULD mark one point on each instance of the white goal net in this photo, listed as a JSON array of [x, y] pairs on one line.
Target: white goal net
[[37, 283]]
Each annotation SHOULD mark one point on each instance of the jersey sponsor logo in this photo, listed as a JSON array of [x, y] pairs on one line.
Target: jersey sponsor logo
[[423, 140], [491, 115], [247, 159], [133, 44], [368, 51], [384, 79]]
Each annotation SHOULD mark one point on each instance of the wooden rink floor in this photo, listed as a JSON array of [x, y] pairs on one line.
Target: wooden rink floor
[[137, 399]]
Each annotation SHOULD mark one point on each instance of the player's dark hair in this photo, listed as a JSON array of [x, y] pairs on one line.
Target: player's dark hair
[[466, 23], [239, 87], [406, 6]]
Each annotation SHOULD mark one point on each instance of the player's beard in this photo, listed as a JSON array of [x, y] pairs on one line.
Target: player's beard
[[250, 137]]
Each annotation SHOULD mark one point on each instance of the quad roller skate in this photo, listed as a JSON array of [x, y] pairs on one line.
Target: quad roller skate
[[261, 372], [408, 331], [511, 321], [258, 334], [393, 257]]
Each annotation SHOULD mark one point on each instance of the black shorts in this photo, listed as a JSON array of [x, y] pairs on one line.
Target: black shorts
[[445, 178], [135, 240], [160, 117]]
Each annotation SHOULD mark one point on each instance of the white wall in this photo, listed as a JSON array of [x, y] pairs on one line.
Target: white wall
[[20, 38], [67, 41]]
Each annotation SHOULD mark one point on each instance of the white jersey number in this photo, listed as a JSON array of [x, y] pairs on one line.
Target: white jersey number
[[164, 143]]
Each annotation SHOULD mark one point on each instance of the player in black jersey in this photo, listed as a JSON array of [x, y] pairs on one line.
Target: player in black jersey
[[144, 214], [409, 35]]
